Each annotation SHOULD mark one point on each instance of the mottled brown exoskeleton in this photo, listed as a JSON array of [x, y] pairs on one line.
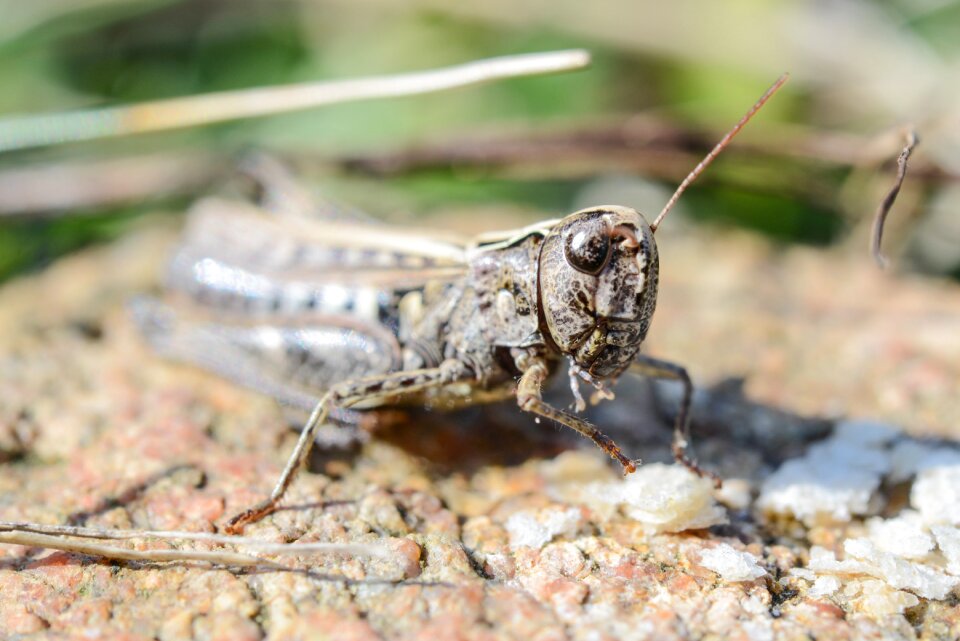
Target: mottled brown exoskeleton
[[341, 314]]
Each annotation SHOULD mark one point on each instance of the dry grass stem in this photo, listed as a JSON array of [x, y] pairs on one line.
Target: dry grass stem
[[34, 131]]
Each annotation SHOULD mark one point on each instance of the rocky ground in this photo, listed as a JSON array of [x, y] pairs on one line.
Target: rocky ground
[[498, 527]]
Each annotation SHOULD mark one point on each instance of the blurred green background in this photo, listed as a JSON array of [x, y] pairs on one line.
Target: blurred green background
[[667, 80]]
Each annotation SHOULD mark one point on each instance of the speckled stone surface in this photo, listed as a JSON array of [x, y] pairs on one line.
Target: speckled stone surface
[[95, 429]]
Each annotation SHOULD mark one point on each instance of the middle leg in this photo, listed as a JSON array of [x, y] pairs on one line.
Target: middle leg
[[656, 368]]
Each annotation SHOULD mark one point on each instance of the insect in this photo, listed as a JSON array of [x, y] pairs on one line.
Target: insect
[[344, 315]]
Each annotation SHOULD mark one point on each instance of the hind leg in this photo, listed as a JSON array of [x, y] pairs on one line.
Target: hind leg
[[343, 396]]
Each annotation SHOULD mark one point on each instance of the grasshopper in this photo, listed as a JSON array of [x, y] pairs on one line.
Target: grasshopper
[[333, 312], [344, 315]]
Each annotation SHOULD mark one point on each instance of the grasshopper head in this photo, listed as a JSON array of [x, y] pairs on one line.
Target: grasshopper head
[[598, 287]]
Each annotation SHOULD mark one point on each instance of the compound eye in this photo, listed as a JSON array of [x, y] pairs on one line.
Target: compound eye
[[587, 248]]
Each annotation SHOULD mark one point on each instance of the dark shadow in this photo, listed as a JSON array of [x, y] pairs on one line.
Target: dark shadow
[[501, 434], [639, 419], [353, 429], [722, 411], [467, 440], [330, 460]]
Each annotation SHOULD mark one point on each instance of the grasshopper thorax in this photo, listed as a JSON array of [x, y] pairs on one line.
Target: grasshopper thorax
[[598, 287]]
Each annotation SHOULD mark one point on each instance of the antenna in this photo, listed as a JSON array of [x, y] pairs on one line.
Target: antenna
[[716, 150]]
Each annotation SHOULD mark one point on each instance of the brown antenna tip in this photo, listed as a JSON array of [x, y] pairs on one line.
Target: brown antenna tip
[[717, 149]]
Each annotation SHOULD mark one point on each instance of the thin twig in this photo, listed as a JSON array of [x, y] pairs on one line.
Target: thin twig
[[880, 218], [62, 537], [640, 141], [218, 557], [160, 115], [787, 162]]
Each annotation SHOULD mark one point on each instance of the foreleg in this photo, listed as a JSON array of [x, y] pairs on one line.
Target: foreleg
[[530, 400]]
